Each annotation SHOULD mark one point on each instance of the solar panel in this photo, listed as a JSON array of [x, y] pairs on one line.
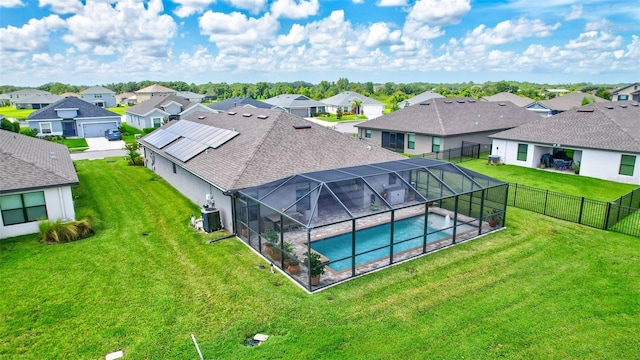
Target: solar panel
[[161, 138], [185, 149], [195, 139]]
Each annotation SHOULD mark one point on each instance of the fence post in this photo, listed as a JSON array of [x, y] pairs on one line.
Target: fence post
[[580, 212], [606, 216], [546, 197]]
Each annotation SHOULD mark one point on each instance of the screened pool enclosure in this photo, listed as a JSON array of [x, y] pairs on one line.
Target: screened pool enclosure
[[362, 218]]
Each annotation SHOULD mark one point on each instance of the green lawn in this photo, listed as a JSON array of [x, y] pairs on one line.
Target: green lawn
[[129, 133], [11, 112], [333, 118], [549, 290], [118, 110]]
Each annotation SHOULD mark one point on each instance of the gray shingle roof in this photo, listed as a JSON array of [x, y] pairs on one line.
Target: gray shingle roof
[[97, 90], [605, 125], [270, 149], [157, 101], [155, 88], [427, 95], [288, 101], [28, 91], [443, 117], [40, 99], [346, 98], [85, 110], [239, 101], [520, 101], [31, 163], [569, 101], [616, 91]]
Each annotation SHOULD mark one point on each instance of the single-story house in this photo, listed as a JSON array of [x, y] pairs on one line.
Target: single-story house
[[123, 98], [521, 101], [349, 101], [562, 103], [36, 102], [297, 104], [24, 93], [226, 104], [603, 138], [99, 96], [159, 109], [73, 117], [427, 95], [629, 92], [35, 182], [147, 93], [191, 96], [442, 123]]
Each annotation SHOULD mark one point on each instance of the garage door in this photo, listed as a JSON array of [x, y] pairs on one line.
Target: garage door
[[95, 130], [300, 112]]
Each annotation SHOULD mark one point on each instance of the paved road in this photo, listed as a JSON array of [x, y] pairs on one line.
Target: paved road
[[97, 154]]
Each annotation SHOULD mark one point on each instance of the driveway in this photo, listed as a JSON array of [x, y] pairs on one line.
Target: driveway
[[345, 127], [101, 143]]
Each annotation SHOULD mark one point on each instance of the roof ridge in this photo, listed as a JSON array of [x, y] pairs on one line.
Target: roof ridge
[[435, 103], [613, 120]]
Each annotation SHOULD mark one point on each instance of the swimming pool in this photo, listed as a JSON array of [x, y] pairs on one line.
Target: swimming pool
[[338, 247]]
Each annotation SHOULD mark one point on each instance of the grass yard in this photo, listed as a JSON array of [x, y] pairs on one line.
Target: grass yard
[[333, 118], [542, 288], [118, 110], [131, 133], [11, 112]]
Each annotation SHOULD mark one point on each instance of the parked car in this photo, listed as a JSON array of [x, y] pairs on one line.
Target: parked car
[[113, 134]]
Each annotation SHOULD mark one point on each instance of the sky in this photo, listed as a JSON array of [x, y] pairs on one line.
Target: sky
[[97, 42]]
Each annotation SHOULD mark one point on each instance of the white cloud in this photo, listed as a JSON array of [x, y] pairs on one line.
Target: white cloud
[[294, 9], [506, 32], [576, 12], [603, 24], [11, 3], [32, 36], [104, 50], [235, 29], [62, 6], [358, 1], [254, 6], [439, 12], [190, 7], [380, 34], [595, 41], [295, 35], [392, 3]]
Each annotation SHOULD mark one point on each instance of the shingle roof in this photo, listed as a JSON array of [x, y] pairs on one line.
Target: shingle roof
[[520, 101], [270, 149], [293, 101], [85, 110], [569, 101], [239, 101], [31, 163], [29, 92], [40, 99], [347, 97], [157, 101], [427, 95], [97, 90], [155, 88], [451, 116], [189, 95], [605, 125], [616, 91]]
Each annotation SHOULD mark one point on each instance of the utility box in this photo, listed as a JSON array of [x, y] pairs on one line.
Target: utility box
[[211, 219], [493, 159]]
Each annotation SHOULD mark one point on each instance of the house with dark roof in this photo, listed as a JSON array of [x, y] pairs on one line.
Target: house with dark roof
[[562, 103], [73, 117], [37, 101], [99, 96], [603, 138], [349, 101], [297, 104], [629, 92], [210, 156], [427, 95], [36, 177], [440, 124], [159, 109], [226, 104], [147, 93]]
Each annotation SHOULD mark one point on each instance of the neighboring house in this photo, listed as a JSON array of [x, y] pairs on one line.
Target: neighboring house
[[297, 104], [427, 95], [70, 94], [160, 109], [73, 117], [520, 101], [603, 137], [37, 102], [124, 98], [441, 124], [147, 93], [227, 104], [629, 92], [4, 100], [562, 103], [350, 101], [191, 96], [208, 157], [35, 182], [99, 96], [24, 93]]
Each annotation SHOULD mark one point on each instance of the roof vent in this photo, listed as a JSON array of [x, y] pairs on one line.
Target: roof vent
[[232, 113], [301, 126], [262, 117], [471, 100], [460, 101], [609, 107], [424, 103], [585, 110], [623, 106], [200, 117], [634, 104], [448, 101], [247, 115]]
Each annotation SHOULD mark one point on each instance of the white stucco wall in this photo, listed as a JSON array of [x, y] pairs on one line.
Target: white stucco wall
[[373, 111], [59, 202]]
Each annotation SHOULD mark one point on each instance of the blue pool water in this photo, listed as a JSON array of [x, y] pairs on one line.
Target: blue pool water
[[338, 247]]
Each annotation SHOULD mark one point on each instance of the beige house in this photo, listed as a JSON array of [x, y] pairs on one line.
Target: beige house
[[145, 94], [629, 92]]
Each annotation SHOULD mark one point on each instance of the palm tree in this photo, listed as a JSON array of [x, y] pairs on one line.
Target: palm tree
[[356, 106]]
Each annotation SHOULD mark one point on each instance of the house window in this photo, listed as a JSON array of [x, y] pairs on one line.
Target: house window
[[157, 122], [23, 208], [411, 141], [522, 152], [627, 164], [393, 141], [435, 144], [45, 128], [367, 133], [174, 168], [345, 109], [623, 97], [97, 96]]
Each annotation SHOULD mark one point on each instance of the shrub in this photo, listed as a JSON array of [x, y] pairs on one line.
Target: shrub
[[5, 124], [147, 130], [58, 232], [133, 155]]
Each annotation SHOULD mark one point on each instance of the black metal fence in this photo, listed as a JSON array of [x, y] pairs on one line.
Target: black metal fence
[[468, 151], [621, 215]]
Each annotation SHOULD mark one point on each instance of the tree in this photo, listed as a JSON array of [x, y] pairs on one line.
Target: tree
[[339, 113], [356, 106], [5, 124], [133, 155]]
